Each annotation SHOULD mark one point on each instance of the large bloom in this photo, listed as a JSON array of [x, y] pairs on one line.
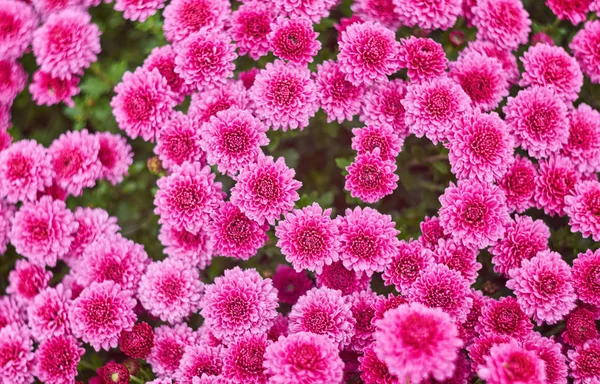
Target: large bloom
[[586, 277], [583, 208], [504, 318], [583, 48], [19, 21], [404, 268], [169, 344], [370, 177], [185, 17], [573, 10], [506, 23], [583, 146], [510, 363], [250, 28], [57, 359], [48, 313], [243, 360], [556, 179], [294, 40], [16, 355], [338, 97], [584, 363], [423, 57], [518, 184]]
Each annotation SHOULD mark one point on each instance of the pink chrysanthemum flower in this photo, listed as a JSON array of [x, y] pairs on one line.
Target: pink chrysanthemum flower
[[423, 57], [474, 213], [409, 259], [19, 21], [27, 280], [432, 232], [363, 306], [509, 363], [541, 38], [169, 344], [265, 190], [66, 43], [370, 178], [57, 359], [552, 67], [386, 304], [171, 290], [115, 156], [524, 238], [428, 15], [136, 10], [504, 318], [179, 141], [323, 311], [48, 313], [583, 208], [12, 311], [573, 10], [518, 184], [550, 352], [417, 342], [243, 360], [381, 137], [186, 17], [482, 78], [504, 55], [458, 258], [583, 48], [14, 80], [586, 277], [543, 287], [338, 97], [250, 28], [538, 121], [383, 106], [378, 11], [192, 249], [199, 361], [373, 370], [48, 90], [205, 59], [232, 140], [440, 287], [186, 198], [336, 276], [313, 10], [368, 53], [368, 240], [480, 348], [94, 223], [580, 327], [583, 146], [294, 40], [114, 258], [25, 170], [44, 8], [556, 179], [239, 302], [163, 59], [284, 96], [235, 235], [279, 327], [74, 158], [468, 329], [100, 313], [506, 23], [308, 238], [432, 107], [16, 355], [302, 358], [43, 231], [290, 284], [480, 147], [206, 104], [143, 103], [584, 363]]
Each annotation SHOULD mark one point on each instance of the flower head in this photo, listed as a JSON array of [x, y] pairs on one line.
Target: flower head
[[556, 179], [138, 10], [115, 156], [313, 10], [199, 361], [195, 249], [169, 345], [380, 137], [57, 359], [14, 80], [583, 207], [138, 342], [518, 184], [432, 232], [383, 106], [20, 21], [179, 141], [27, 280], [584, 362], [573, 10], [504, 318], [506, 23], [458, 258], [294, 40], [428, 15], [583, 145], [250, 28], [243, 360], [404, 268], [580, 327], [49, 90], [378, 11], [370, 177], [94, 223], [582, 47], [510, 363], [163, 59], [185, 17], [550, 352], [347, 281], [491, 49], [16, 354], [373, 370], [586, 277], [423, 57], [291, 285], [338, 97], [208, 103], [363, 306]]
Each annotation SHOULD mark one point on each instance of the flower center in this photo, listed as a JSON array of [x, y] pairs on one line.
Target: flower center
[[373, 50], [187, 198], [485, 144], [237, 308], [267, 188], [236, 141], [417, 331], [285, 91], [195, 14], [474, 212], [363, 246], [238, 229], [68, 163], [18, 167], [438, 104], [519, 367], [317, 322], [304, 356], [311, 241], [369, 177]]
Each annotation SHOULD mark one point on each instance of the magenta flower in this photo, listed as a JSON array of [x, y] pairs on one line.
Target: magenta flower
[[115, 156], [373, 370], [510, 363], [381, 137], [458, 258], [57, 359], [480, 147], [323, 311], [250, 28], [232, 140], [314, 10], [378, 11], [179, 141], [432, 232], [208, 103], [552, 67], [186, 17], [518, 184], [16, 355], [338, 97], [265, 190], [169, 344], [583, 145], [94, 223], [580, 327], [14, 80], [368, 240], [20, 21], [574, 11], [67, 43], [582, 47], [48, 313], [12, 312], [424, 58], [583, 362], [524, 238], [432, 107], [247, 77], [428, 15], [504, 318], [239, 302], [45, 8], [303, 357], [468, 329], [480, 348], [192, 249], [290, 284], [474, 213], [100, 313], [406, 264], [363, 305], [243, 360], [336, 276], [163, 59], [586, 277], [294, 40], [582, 207], [383, 106], [74, 158], [368, 53], [143, 103], [284, 96], [506, 23], [550, 352], [170, 290], [26, 280], [370, 178], [43, 231], [48, 90], [138, 10], [556, 179], [199, 361], [187, 197], [504, 55], [416, 342], [25, 170]]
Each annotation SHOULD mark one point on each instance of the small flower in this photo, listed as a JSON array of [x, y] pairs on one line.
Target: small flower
[[582, 47], [370, 178], [208, 103], [48, 313], [381, 137], [363, 305], [432, 232], [294, 40], [185, 17], [250, 28], [493, 50], [583, 146], [169, 344], [114, 373], [458, 258], [584, 362], [138, 342], [574, 11], [580, 327], [586, 277], [504, 318], [94, 223], [338, 97], [291, 285], [556, 179], [163, 59], [16, 354], [510, 363], [179, 141], [428, 15], [480, 348], [20, 21], [336, 276], [243, 360], [583, 208], [195, 249], [506, 23], [27, 280], [57, 359], [518, 184], [550, 352], [138, 10], [423, 57], [404, 268], [115, 156], [14, 80], [373, 370], [199, 361], [383, 106], [315, 10]]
